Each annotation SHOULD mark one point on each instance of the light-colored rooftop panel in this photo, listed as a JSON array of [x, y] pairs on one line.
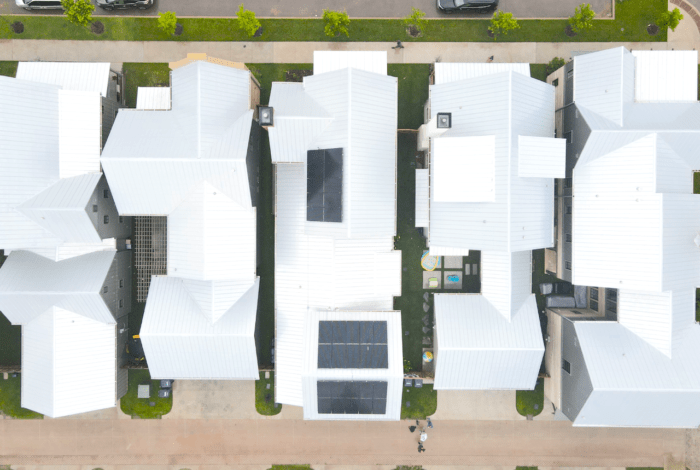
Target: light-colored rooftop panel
[[464, 169]]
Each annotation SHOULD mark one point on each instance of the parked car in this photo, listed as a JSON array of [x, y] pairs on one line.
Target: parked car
[[474, 6], [124, 4], [39, 4], [547, 288]]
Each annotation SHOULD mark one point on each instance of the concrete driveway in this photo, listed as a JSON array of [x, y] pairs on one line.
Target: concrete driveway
[[355, 8]]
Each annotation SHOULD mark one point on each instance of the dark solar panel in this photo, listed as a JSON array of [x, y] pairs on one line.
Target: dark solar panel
[[352, 345], [324, 185], [351, 397]]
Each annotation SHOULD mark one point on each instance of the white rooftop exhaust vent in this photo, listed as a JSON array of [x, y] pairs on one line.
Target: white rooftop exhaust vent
[[444, 120], [265, 115]]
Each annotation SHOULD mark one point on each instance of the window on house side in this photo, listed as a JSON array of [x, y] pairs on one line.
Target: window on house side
[[567, 367], [105, 289]]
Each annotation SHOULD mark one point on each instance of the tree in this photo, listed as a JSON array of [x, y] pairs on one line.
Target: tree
[[670, 19], [582, 19], [502, 22], [336, 22], [416, 19], [555, 64], [78, 12], [247, 21], [167, 22]]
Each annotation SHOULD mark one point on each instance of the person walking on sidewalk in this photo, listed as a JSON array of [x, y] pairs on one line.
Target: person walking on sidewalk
[[430, 423]]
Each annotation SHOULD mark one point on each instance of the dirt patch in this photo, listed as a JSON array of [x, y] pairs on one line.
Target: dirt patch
[[97, 27], [413, 31], [179, 29], [652, 29], [296, 75], [569, 31], [258, 33], [490, 33], [18, 27]]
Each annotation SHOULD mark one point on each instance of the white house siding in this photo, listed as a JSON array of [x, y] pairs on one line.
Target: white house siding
[[61, 208], [153, 98], [603, 81], [74, 76], [667, 76], [446, 72], [30, 284], [422, 198], [541, 157], [393, 374], [478, 349], [506, 280], [371, 61], [79, 132], [180, 342], [53, 344]]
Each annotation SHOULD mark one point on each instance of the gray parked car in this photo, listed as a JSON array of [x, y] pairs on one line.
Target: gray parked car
[[39, 4], [124, 4], [467, 6]]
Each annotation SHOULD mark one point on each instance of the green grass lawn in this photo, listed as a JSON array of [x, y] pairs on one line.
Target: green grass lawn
[[538, 71], [423, 402], [290, 467], [525, 400], [264, 397], [413, 92], [10, 400], [143, 74], [8, 68], [632, 17], [134, 406], [525, 468], [10, 336]]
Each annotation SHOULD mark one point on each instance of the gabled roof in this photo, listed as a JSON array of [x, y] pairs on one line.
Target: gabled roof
[[666, 76], [446, 72], [31, 284], [153, 98], [76, 76], [52, 345], [180, 339], [63, 141], [371, 61], [506, 105]]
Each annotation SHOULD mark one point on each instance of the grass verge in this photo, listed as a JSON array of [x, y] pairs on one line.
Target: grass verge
[[423, 402], [290, 467], [527, 400], [10, 399], [146, 74], [8, 68], [264, 397], [139, 407], [631, 20]]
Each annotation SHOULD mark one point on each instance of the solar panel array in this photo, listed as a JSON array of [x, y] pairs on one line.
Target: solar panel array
[[348, 397], [352, 345], [324, 185]]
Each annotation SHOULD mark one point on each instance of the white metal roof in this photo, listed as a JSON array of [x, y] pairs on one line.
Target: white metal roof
[[314, 272], [181, 341], [204, 137], [446, 72], [478, 349], [71, 250], [506, 280], [153, 98], [30, 284], [634, 384], [463, 169], [393, 375], [76, 76], [63, 141], [541, 157], [211, 237], [371, 61], [423, 198], [505, 105], [666, 76], [68, 364]]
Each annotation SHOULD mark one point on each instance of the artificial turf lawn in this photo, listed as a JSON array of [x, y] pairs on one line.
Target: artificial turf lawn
[[631, 20], [140, 407], [8, 68], [423, 402], [262, 405], [525, 400], [10, 399]]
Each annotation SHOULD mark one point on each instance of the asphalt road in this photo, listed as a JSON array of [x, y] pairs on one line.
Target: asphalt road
[[355, 8]]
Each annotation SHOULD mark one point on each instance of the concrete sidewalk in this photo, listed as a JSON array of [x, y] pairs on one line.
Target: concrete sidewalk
[[249, 442]]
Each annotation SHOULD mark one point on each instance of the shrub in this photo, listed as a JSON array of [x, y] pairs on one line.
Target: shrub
[[167, 22], [416, 18], [336, 22], [406, 366], [583, 18], [555, 64], [502, 22], [78, 12], [247, 21], [670, 19]]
